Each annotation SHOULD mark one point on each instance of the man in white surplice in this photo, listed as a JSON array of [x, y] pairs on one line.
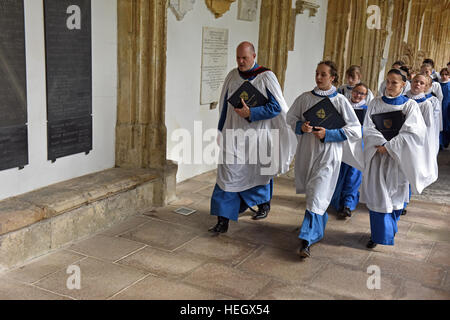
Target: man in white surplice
[[265, 144]]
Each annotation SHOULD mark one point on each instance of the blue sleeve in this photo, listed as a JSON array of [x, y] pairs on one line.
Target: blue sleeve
[[268, 111], [223, 115], [298, 128], [335, 135]]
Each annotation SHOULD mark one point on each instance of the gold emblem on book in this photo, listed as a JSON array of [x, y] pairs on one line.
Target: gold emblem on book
[[387, 123], [321, 114], [244, 95]]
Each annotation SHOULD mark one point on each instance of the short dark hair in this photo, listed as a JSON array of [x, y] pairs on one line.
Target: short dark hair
[[445, 70], [429, 61], [333, 69]]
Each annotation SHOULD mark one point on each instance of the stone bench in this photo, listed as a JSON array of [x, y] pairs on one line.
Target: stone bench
[[46, 219]]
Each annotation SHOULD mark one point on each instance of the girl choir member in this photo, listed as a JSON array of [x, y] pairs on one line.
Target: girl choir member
[[353, 77], [391, 166], [320, 152], [346, 194]]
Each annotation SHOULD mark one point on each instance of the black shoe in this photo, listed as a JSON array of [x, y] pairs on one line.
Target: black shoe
[[263, 211], [403, 212], [347, 212], [371, 244], [304, 250], [221, 226]]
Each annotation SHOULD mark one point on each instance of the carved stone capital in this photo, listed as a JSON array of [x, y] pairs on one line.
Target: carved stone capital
[[301, 6], [219, 7], [181, 7]]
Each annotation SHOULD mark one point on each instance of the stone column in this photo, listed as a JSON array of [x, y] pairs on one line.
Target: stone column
[[140, 130], [274, 36]]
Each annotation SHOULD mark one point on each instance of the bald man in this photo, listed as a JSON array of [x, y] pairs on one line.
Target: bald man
[[242, 182]]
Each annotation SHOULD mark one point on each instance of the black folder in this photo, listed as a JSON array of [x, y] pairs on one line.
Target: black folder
[[389, 123], [325, 115], [361, 113], [251, 96]]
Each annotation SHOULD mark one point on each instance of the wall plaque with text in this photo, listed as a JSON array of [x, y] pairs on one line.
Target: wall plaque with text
[[13, 87], [69, 76]]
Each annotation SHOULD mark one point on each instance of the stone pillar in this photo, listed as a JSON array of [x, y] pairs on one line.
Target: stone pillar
[[275, 36], [411, 30], [140, 130]]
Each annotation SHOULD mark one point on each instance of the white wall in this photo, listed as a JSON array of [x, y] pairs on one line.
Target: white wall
[[184, 54], [40, 172], [308, 52]]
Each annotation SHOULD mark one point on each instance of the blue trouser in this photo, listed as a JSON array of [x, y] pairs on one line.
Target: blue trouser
[[313, 227], [383, 226], [231, 204], [346, 193]]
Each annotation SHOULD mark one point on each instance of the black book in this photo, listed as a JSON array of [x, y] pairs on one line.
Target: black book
[[361, 113], [389, 123], [251, 96], [325, 115]]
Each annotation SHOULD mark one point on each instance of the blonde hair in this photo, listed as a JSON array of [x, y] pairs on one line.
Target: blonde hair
[[428, 79]]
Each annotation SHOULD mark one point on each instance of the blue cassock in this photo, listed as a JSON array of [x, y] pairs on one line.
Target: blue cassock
[[313, 225], [346, 193], [444, 137], [231, 204]]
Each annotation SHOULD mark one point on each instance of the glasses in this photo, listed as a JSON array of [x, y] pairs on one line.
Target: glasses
[[359, 93]]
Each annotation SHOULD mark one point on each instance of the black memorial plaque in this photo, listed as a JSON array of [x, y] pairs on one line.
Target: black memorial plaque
[[69, 76], [13, 91]]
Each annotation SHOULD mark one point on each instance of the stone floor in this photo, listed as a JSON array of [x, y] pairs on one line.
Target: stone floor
[[164, 255]]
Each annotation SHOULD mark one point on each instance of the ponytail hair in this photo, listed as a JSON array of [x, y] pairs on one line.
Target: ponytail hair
[[333, 70], [399, 72]]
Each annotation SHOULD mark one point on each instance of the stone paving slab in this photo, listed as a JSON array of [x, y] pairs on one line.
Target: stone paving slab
[[13, 290], [106, 248], [43, 266], [227, 281], [99, 280], [352, 283], [277, 290], [160, 234], [282, 265], [154, 288], [223, 249], [159, 254], [162, 263]]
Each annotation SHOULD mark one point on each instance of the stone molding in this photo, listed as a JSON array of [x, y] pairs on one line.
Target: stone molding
[[219, 7]]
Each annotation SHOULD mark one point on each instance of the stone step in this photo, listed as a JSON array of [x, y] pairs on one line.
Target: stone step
[[43, 220]]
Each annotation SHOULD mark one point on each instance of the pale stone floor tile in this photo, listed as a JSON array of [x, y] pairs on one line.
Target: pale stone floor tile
[[281, 291], [222, 248], [422, 272], [98, 280], [227, 281], [162, 263], [43, 266], [161, 234], [14, 290], [284, 265], [415, 291], [127, 225], [155, 288], [106, 248], [352, 282]]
